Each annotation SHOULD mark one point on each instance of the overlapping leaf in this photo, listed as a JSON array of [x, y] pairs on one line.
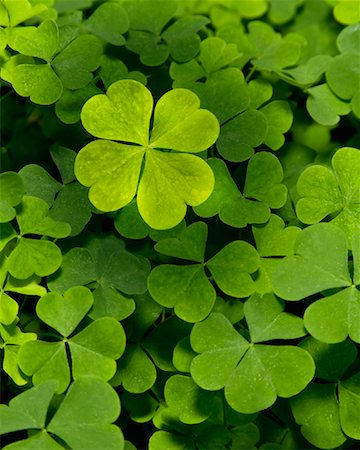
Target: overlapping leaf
[[335, 193], [263, 190]]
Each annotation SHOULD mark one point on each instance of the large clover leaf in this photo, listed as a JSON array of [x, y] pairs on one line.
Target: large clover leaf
[[187, 288], [83, 419], [93, 350], [107, 268], [253, 375], [169, 181], [324, 192], [263, 190]]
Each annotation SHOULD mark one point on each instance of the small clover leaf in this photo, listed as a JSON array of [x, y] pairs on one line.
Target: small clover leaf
[[281, 12], [11, 340], [112, 268], [177, 119], [320, 262], [335, 317], [267, 320], [348, 38], [325, 107], [136, 372], [184, 288], [272, 240], [343, 75], [83, 418], [108, 22], [12, 191], [279, 119], [255, 374], [190, 244], [93, 350], [262, 184], [231, 268], [216, 54], [336, 192], [113, 69], [141, 407], [186, 400]]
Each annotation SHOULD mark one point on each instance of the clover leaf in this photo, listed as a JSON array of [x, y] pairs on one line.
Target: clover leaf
[[263, 190], [316, 403], [8, 306], [105, 262], [272, 240], [152, 42], [267, 320], [174, 285], [320, 262], [281, 12], [325, 192], [12, 191], [109, 22], [169, 181], [83, 418], [32, 256], [44, 82], [325, 107], [93, 350], [253, 375], [346, 12], [11, 340], [185, 399], [20, 11]]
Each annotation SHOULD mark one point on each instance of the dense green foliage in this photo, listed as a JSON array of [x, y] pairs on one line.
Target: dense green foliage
[[180, 224]]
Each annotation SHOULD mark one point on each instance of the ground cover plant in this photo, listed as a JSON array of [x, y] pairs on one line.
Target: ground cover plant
[[180, 224]]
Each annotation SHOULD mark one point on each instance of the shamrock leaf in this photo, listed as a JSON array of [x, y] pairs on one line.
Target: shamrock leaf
[[108, 22], [11, 340], [30, 256], [272, 240], [186, 400], [315, 406], [241, 135], [231, 268], [279, 119], [93, 350], [272, 51], [8, 306], [136, 372], [331, 360], [12, 191], [325, 107], [267, 320], [177, 119], [148, 38], [334, 192], [69, 202], [262, 184], [113, 269], [83, 418], [20, 11], [252, 375], [227, 82], [70, 67], [281, 12], [320, 262]]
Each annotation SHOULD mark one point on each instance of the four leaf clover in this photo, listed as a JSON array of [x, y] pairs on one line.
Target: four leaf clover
[[169, 180]]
